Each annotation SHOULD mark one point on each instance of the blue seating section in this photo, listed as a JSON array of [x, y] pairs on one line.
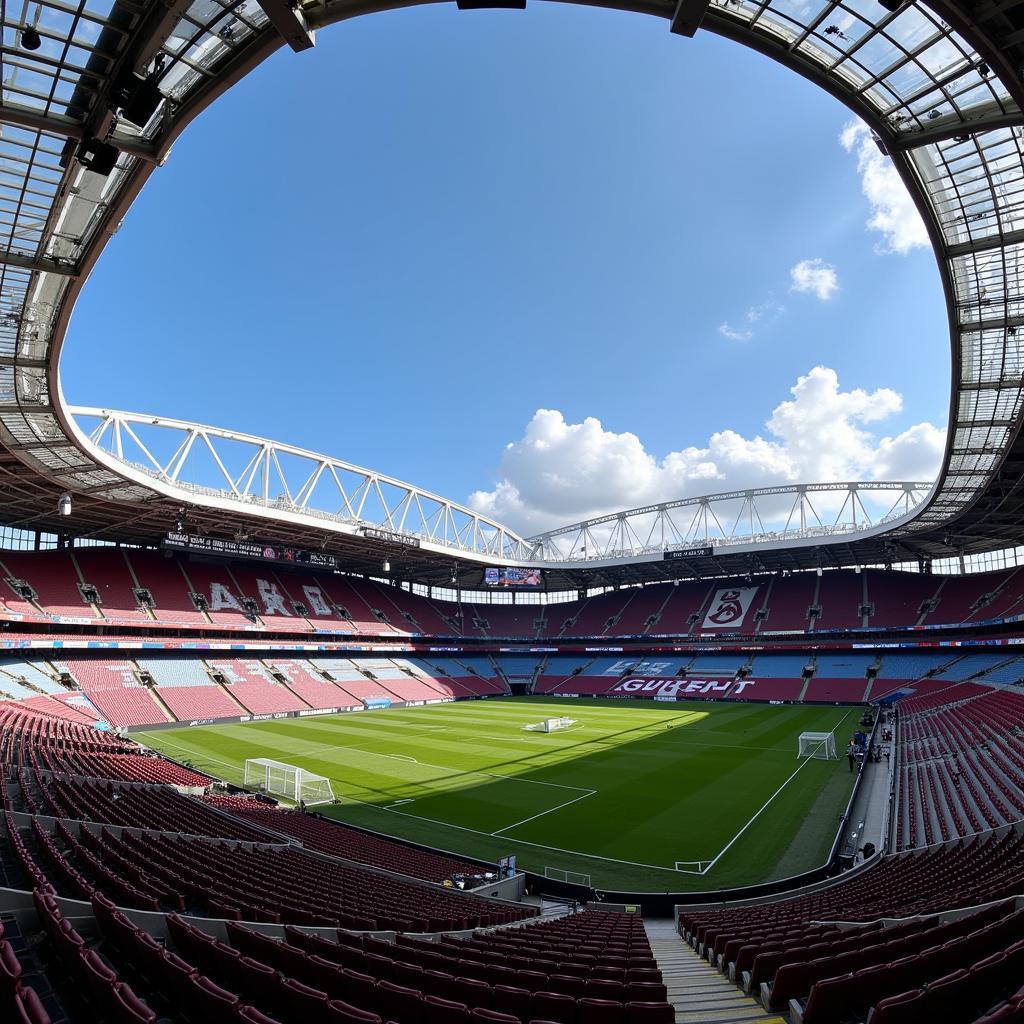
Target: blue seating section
[[911, 664], [970, 665], [779, 666]]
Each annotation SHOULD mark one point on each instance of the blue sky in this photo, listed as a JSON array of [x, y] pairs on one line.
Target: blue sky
[[398, 247]]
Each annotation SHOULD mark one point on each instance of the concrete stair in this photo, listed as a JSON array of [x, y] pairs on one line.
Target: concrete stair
[[700, 994]]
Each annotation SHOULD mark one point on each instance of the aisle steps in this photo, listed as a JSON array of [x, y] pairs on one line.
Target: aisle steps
[[700, 994]]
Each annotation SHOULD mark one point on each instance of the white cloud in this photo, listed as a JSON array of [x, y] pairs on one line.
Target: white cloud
[[815, 277], [766, 312], [559, 472], [735, 333], [893, 213]]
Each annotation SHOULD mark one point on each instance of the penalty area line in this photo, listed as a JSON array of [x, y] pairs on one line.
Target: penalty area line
[[490, 835], [542, 813]]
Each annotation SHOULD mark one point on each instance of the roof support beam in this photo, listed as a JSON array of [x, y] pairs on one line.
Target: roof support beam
[[688, 16], [1000, 324], [290, 23], [53, 124], [49, 446], [68, 128], [24, 364], [944, 129], [997, 241], [41, 264], [991, 385]]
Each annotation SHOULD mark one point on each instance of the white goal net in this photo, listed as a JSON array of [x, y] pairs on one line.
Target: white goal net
[[821, 745], [550, 725], [287, 780]]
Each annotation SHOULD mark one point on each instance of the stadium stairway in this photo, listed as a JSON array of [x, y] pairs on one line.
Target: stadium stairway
[[700, 994]]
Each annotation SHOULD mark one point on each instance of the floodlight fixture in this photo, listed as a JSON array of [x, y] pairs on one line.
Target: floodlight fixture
[[64, 505], [30, 39]]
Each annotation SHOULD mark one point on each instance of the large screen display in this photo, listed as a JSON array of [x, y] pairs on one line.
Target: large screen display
[[203, 545], [530, 578]]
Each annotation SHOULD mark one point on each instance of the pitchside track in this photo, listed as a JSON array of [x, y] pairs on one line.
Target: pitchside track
[[641, 796]]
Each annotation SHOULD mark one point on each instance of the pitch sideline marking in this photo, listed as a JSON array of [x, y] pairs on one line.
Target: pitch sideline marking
[[757, 813]]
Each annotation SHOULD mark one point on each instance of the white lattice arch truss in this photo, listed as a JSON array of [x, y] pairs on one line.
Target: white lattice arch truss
[[763, 515], [282, 480]]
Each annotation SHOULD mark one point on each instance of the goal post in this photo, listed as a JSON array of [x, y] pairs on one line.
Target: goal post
[[550, 725], [287, 780], [573, 877], [818, 745]]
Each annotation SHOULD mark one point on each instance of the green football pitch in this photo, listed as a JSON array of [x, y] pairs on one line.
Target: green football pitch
[[638, 796]]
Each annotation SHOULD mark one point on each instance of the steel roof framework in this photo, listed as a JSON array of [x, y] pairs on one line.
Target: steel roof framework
[[939, 85]]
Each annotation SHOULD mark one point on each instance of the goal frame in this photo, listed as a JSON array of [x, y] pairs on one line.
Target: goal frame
[[572, 877], [549, 725], [279, 778], [819, 746]]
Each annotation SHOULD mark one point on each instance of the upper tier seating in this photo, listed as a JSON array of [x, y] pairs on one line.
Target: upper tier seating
[[166, 583], [52, 575], [787, 602], [273, 602], [841, 596], [247, 596], [683, 608], [111, 576], [223, 597], [958, 598], [898, 597]]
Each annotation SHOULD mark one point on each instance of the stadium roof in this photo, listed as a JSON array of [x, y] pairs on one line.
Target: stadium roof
[[94, 95]]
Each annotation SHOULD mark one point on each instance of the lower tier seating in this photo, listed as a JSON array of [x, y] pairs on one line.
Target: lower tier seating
[[317, 833], [809, 954]]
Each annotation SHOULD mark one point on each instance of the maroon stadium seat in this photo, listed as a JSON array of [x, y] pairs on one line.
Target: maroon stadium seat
[[443, 1011], [29, 1009]]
